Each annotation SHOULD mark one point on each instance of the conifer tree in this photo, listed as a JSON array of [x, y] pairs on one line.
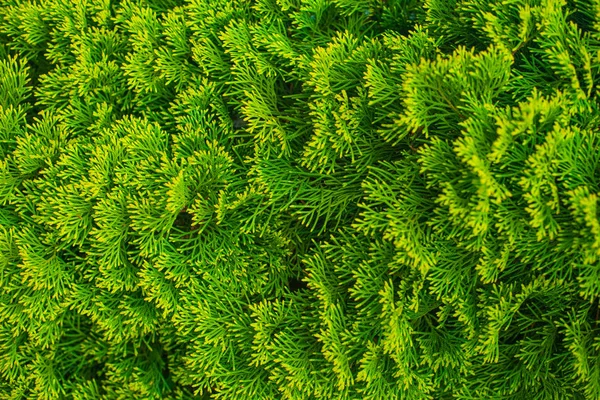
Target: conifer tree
[[299, 199]]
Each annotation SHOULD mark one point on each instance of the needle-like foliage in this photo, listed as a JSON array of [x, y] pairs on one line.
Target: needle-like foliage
[[300, 199]]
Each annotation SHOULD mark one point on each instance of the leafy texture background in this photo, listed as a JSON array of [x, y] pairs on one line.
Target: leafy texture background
[[299, 199]]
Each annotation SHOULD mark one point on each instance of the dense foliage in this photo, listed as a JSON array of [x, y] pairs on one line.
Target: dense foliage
[[299, 199]]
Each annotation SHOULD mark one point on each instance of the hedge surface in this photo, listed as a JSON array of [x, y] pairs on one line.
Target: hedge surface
[[299, 199]]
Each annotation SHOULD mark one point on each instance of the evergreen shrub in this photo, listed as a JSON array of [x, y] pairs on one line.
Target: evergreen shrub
[[299, 199]]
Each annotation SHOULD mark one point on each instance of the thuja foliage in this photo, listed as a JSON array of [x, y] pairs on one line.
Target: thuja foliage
[[299, 199]]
